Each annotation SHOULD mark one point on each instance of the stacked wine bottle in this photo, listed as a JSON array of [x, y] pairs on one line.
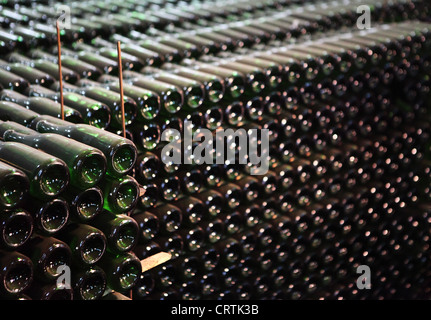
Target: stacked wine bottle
[[349, 159]]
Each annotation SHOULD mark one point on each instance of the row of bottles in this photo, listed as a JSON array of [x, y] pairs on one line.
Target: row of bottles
[[347, 180]]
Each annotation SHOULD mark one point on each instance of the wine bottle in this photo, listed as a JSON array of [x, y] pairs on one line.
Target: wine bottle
[[214, 86], [120, 152], [16, 227], [16, 272], [193, 238], [48, 255], [213, 200], [83, 69], [122, 270], [149, 103], [42, 291], [172, 97], [11, 81], [46, 66], [42, 106], [170, 217], [89, 283], [49, 175], [148, 225], [193, 210], [32, 75], [121, 231], [14, 186], [87, 243], [86, 165], [110, 99]]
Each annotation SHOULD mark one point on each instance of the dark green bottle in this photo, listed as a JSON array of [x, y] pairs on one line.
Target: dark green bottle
[[14, 112], [148, 102], [122, 270], [48, 175], [233, 80], [111, 99], [85, 204], [14, 186], [172, 97], [49, 216], [120, 153], [32, 75], [83, 69], [89, 283], [193, 91], [214, 86], [148, 225], [11, 81], [48, 254], [93, 112], [88, 244], [16, 272], [121, 231], [46, 66], [16, 227], [87, 165], [120, 194], [42, 105]]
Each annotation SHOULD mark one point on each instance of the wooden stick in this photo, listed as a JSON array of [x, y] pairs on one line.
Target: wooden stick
[[60, 74], [120, 76], [155, 260]]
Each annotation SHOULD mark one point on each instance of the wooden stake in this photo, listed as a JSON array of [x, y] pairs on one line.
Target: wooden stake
[[152, 262], [60, 74], [120, 76], [155, 260]]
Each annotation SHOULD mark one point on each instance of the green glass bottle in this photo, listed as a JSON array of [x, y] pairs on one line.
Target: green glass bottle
[[83, 69], [120, 153], [49, 216], [42, 105], [120, 194], [233, 80], [88, 244], [121, 231], [84, 205], [148, 102], [87, 165], [16, 272], [148, 225], [89, 283], [32, 75], [48, 254], [48, 175], [49, 67], [194, 92], [214, 86], [93, 112], [16, 227], [14, 186], [109, 98], [112, 100], [40, 290], [122, 270], [11, 81], [172, 97], [14, 112]]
